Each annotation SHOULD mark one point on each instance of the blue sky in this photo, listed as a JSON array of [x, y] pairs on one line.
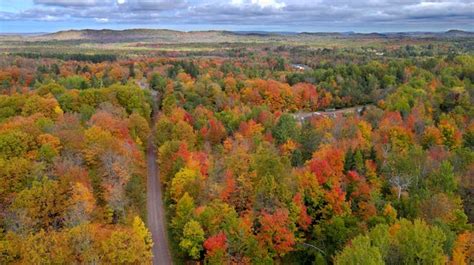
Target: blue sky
[[272, 15]]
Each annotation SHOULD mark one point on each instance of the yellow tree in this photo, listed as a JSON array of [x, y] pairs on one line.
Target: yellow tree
[[186, 180]]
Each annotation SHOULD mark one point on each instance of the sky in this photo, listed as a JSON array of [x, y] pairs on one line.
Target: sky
[[30, 16]]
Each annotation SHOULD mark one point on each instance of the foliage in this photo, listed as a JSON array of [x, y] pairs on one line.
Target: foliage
[[192, 239], [363, 157]]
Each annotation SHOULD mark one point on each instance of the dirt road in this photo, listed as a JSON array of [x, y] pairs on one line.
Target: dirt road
[[302, 116], [156, 212]]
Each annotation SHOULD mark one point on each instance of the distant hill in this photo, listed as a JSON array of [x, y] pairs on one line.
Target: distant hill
[[172, 36], [459, 33], [447, 34], [128, 35], [106, 35]]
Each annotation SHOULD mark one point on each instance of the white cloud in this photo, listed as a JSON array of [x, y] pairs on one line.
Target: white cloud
[[102, 20], [259, 3], [237, 2], [269, 3], [49, 18]]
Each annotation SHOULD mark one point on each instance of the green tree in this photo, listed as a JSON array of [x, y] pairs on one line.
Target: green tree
[[139, 128], [309, 140], [51, 87], [169, 103], [132, 98], [380, 238], [359, 161], [333, 234], [74, 82], [184, 213], [157, 82], [359, 252], [285, 129], [272, 177], [444, 179], [193, 237], [186, 180], [419, 243], [14, 143], [405, 242]]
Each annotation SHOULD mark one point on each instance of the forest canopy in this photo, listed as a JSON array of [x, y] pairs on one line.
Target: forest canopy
[[362, 156]]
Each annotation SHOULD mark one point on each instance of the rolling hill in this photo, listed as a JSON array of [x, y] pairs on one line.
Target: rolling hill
[[172, 36]]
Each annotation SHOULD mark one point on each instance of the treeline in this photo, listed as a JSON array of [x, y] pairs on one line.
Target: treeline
[[93, 58]]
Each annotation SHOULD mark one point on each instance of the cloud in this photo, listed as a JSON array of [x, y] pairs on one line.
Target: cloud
[[153, 5], [285, 14], [68, 3], [259, 3], [102, 20]]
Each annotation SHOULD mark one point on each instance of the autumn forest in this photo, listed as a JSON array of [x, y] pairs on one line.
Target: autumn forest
[[304, 150]]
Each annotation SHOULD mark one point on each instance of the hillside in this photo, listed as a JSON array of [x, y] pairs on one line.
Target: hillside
[[129, 35], [172, 36]]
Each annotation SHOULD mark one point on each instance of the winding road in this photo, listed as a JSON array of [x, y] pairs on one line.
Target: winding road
[[156, 218]]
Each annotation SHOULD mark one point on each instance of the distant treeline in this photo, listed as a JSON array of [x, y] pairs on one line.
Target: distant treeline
[[95, 58]]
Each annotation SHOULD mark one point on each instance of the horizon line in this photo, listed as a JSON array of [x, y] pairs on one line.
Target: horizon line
[[225, 30]]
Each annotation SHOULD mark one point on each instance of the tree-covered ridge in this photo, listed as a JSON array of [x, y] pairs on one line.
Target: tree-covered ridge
[[244, 181]]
